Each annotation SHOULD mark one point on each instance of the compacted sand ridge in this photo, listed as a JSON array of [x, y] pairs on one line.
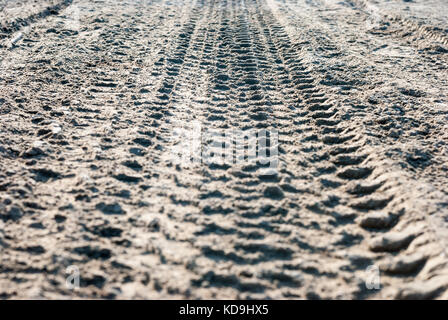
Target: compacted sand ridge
[[90, 92]]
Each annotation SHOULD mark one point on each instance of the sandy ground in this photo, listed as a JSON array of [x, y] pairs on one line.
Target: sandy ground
[[90, 92]]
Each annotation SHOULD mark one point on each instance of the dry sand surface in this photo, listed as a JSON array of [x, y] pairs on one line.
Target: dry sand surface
[[90, 94]]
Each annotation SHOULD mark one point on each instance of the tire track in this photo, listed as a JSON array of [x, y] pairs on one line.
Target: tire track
[[140, 225], [424, 31], [374, 193], [15, 25], [366, 189]]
